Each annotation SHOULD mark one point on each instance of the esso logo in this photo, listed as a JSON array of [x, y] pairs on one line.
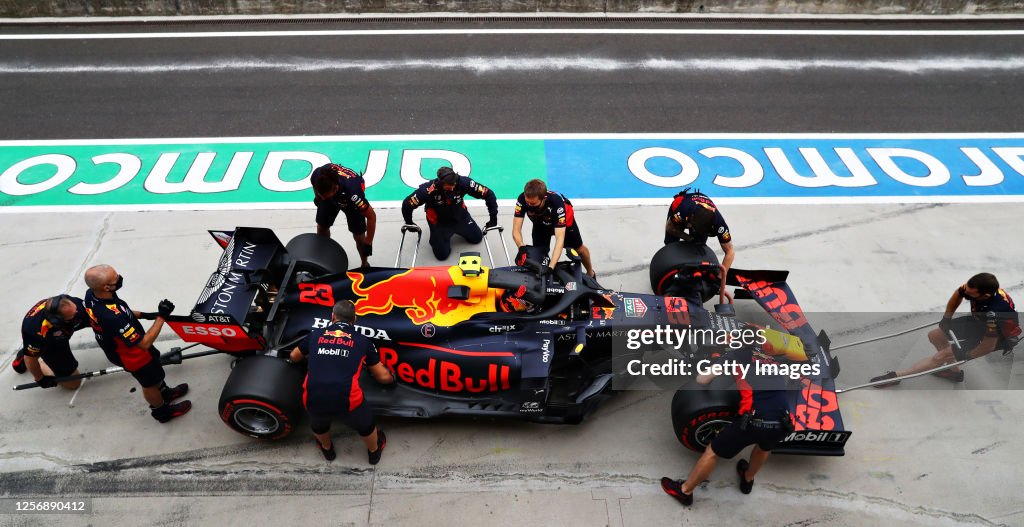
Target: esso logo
[[212, 331]]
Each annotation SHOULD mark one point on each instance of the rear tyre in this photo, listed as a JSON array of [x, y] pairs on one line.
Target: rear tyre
[[675, 257], [262, 398], [698, 414], [317, 254]]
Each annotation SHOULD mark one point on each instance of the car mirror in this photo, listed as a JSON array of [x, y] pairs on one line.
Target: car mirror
[[458, 292]]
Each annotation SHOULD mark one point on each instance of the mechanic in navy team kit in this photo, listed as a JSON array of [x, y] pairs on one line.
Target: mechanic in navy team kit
[[331, 390], [45, 333], [993, 324], [120, 335], [693, 218], [340, 189], [552, 216], [763, 421], [446, 209]]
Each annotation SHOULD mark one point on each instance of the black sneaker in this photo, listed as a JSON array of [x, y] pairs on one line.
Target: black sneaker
[[889, 375], [169, 394], [170, 411], [741, 469], [955, 376], [382, 441], [18, 364], [329, 453], [674, 488]]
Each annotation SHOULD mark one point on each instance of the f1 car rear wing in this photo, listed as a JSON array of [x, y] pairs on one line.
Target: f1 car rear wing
[[220, 313], [819, 424]]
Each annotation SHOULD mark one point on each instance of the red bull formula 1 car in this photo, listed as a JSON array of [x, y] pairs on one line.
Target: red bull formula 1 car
[[455, 352]]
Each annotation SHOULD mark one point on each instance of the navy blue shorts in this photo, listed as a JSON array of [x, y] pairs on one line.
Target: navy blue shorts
[[731, 440], [360, 420]]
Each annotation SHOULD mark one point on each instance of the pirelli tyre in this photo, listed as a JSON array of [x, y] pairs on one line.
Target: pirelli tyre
[[699, 413], [317, 254], [262, 397], [677, 256]]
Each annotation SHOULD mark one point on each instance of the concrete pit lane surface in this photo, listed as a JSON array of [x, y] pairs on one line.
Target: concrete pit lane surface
[[943, 455]]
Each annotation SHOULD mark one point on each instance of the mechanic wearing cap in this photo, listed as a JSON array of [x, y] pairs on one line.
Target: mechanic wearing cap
[[45, 332], [331, 390], [552, 215], [340, 189], [763, 421], [120, 335], [993, 324], [693, 218], [446, 209]]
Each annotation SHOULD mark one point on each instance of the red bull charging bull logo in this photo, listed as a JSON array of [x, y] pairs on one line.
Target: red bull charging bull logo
[[422, 293]]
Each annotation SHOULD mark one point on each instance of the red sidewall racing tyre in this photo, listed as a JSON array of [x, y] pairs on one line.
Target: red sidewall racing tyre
[[317, 254], [676, 256], [262, 398], [698, 414]]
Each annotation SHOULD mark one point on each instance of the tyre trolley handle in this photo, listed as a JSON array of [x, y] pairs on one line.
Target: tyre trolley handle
[[416, 249], [501, 238]]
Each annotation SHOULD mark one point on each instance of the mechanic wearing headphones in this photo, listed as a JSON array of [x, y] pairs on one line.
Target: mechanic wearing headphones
[[446, 209], [993, 324], [693, 218], [120, 335], [763, 421], [331, 390], [45, 333], [552, 215], [340, 189]]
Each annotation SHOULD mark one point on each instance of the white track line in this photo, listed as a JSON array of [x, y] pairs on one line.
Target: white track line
[[523, 31], [485, 65]]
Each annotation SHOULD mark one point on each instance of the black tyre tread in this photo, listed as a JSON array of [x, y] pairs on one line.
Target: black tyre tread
[[318, 253], [266, 379]]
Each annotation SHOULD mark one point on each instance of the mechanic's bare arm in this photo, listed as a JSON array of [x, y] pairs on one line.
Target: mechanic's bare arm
[[705, 378], [986, 346], [296, 355], [371, 223], [730, 255], [323, 231], [556, 254], [150, 337], [675, 229], [32, 363], [517, 231], [953, 304], [382, 374]]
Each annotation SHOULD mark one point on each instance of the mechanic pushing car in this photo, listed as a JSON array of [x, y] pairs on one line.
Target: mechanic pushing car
[[336, 356], [552, 215], [763, 421], [45, 333], [993, 324], [693, 218], [446, 212], [120, 335], [340, 189]]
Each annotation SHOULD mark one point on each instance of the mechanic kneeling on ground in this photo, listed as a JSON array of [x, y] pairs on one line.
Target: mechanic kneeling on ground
[[331, 390], [993, 324], [45, 333], [693, 218], [763, 421], [340, 189], [552, 215], [444, 199], [120, 335]]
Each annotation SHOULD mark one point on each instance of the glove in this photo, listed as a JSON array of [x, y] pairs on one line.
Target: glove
[[493, 222], [47, 381], [151, 315], [165, 308], [366, 249], [944, 324]]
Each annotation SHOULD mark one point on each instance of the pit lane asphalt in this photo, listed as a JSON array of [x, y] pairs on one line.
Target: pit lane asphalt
[[935, 456]]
